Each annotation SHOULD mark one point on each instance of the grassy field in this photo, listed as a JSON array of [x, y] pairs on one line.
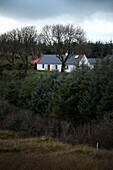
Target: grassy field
[[17, 153]]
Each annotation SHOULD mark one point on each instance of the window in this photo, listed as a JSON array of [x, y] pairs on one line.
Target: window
[[56, 67], [42, 65]]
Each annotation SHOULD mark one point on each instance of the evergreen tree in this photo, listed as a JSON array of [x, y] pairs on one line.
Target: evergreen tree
[[41, 97], [12, 92], [106, 103], [88, 104], [65, 102]]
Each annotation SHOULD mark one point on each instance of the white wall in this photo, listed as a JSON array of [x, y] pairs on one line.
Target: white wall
[[39, 67], [85, 61], [70, 68], [52, 67]]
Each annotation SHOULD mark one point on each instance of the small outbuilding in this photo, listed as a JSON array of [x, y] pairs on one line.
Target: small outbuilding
[[94, 61]]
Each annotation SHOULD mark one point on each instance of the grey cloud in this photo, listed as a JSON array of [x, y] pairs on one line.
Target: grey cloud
[[35, 9], [30, 9], [92, 6]]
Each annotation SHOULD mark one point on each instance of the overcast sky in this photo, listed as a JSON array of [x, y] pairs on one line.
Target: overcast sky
[[94, 16]]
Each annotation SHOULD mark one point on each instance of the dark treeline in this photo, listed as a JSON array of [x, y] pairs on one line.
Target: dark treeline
[[27, 44], [28, 124], [83, 95], [81, 98], [90, 49]]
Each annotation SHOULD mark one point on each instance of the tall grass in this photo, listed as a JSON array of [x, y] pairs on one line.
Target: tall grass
[[44, 153]]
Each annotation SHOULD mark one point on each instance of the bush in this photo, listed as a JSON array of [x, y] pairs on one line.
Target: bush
[[29, 124]]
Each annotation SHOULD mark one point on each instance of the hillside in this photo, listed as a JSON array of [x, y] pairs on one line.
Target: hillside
[[49, 154]]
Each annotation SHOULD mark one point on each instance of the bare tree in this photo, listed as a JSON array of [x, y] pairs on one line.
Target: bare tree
[[22, 43], [63, 36], [27, 38], [8, 46]]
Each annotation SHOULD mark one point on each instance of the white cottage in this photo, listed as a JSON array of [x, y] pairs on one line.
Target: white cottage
[[51, 62]]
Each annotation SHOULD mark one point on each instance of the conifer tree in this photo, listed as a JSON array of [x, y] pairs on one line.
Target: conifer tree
[[88, 105], [106, 103]]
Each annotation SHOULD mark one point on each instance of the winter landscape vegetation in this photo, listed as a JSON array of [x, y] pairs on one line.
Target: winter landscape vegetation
[[74, 107], [56, 85]]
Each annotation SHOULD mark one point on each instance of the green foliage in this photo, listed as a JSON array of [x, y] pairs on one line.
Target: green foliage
[[65, 103], [88, 105], [12, 92], [81, 96], [25, 91], [1, 69], [106, 103], [41, 97]]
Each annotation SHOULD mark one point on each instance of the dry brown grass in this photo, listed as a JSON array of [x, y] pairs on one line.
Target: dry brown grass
[[17, 153]]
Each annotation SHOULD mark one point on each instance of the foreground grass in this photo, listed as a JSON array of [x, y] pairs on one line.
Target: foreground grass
[[17, 153]]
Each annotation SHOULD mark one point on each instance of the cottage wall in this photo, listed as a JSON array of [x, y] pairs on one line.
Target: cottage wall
[[52, 67], [69, 68], [85, 61]]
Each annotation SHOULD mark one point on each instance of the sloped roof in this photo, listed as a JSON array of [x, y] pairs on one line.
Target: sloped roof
[[94, 60], [109, 57], [53, 59], [36, 60]]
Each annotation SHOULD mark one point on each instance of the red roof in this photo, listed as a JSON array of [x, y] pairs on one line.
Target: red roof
[[36, 60]]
